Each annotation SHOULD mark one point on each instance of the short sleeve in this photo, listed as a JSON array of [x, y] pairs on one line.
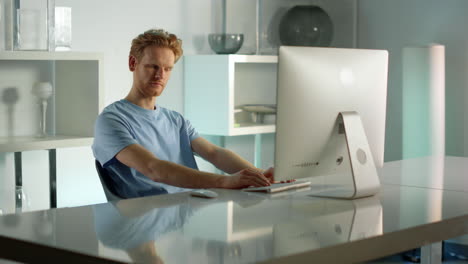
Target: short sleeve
[[111, 135], [191, 132]]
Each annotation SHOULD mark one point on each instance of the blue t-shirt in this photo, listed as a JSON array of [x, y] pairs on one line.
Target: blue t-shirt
[[163, 132]]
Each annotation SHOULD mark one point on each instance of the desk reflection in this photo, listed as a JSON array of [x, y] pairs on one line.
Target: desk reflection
[[223, 231], [337, 221], [121, 225], [180, 230], [435, 172]]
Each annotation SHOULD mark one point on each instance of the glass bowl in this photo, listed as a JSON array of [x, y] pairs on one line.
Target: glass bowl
[[225, 43]]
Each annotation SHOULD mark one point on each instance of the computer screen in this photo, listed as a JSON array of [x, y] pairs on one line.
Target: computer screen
[[330, 123]]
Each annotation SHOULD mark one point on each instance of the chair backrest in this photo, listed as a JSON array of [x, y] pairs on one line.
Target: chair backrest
[[106, 183]]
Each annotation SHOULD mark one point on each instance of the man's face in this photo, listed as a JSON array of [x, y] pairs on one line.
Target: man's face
[[152, 71]]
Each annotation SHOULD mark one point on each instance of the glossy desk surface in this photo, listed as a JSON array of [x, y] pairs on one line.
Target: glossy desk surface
[[447, 173], [238, 227]]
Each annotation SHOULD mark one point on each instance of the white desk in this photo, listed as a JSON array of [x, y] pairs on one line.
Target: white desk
[[240, 227], [445, 173]]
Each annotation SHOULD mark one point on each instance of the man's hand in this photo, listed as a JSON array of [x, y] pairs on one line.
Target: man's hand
[[245, 178], [270, 174]]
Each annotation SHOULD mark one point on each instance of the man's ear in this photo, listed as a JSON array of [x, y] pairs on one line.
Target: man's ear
[[132, 62]]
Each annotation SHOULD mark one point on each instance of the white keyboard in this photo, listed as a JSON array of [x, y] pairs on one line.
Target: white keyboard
[[278, 187]]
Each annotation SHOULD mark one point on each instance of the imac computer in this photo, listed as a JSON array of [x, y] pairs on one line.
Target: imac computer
[[330, 124]]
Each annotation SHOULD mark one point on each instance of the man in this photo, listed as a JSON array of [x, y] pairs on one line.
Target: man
[[148, 149]]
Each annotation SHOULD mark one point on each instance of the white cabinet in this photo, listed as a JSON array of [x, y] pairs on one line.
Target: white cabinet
[[77, 100], [215, 85]]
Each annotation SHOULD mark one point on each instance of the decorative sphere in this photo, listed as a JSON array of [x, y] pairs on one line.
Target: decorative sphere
[[306, 26], [10, 96], [43, 90]]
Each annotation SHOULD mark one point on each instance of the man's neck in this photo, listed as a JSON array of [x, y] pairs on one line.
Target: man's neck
[[146, 103]]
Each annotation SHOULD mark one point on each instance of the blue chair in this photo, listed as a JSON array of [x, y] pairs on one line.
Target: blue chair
[[106, 183]]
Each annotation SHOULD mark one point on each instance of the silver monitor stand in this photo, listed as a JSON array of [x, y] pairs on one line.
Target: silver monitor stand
[[346, 162]]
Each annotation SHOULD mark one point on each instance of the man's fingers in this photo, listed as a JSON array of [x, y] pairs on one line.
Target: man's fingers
[[257, 183], [286, 181], [269, 171], [254, 177], [269, 174], [251, 171], [257, 175], [260, 180], [255, 180]]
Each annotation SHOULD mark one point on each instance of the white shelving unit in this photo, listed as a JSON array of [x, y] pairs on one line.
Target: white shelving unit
[[216, 84], [77, 82], [18, 144], [77, 100]]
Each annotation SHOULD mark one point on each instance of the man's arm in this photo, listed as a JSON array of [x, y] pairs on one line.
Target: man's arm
[[139, 158], [222, 158], [225, 159]]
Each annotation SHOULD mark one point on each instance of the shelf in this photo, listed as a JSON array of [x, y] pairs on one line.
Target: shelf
[[244, 129], [77, 82], [49, 56], [248, 129], [234, 58], [254, 59], [215, 85], [18, 144]]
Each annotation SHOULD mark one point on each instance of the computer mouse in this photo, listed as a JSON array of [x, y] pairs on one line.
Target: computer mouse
[[203, 193]]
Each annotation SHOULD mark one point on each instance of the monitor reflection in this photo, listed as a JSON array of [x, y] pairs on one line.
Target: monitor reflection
[[335, 221]]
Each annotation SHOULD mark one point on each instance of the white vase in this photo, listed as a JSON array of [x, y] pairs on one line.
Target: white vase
[[43, 91]]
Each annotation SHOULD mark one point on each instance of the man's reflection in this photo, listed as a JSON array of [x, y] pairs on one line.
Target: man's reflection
[[145, 253], [121, 225], [141, 228]]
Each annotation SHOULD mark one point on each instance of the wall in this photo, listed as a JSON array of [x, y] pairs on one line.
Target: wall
[[395, 24], [108, 26]]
